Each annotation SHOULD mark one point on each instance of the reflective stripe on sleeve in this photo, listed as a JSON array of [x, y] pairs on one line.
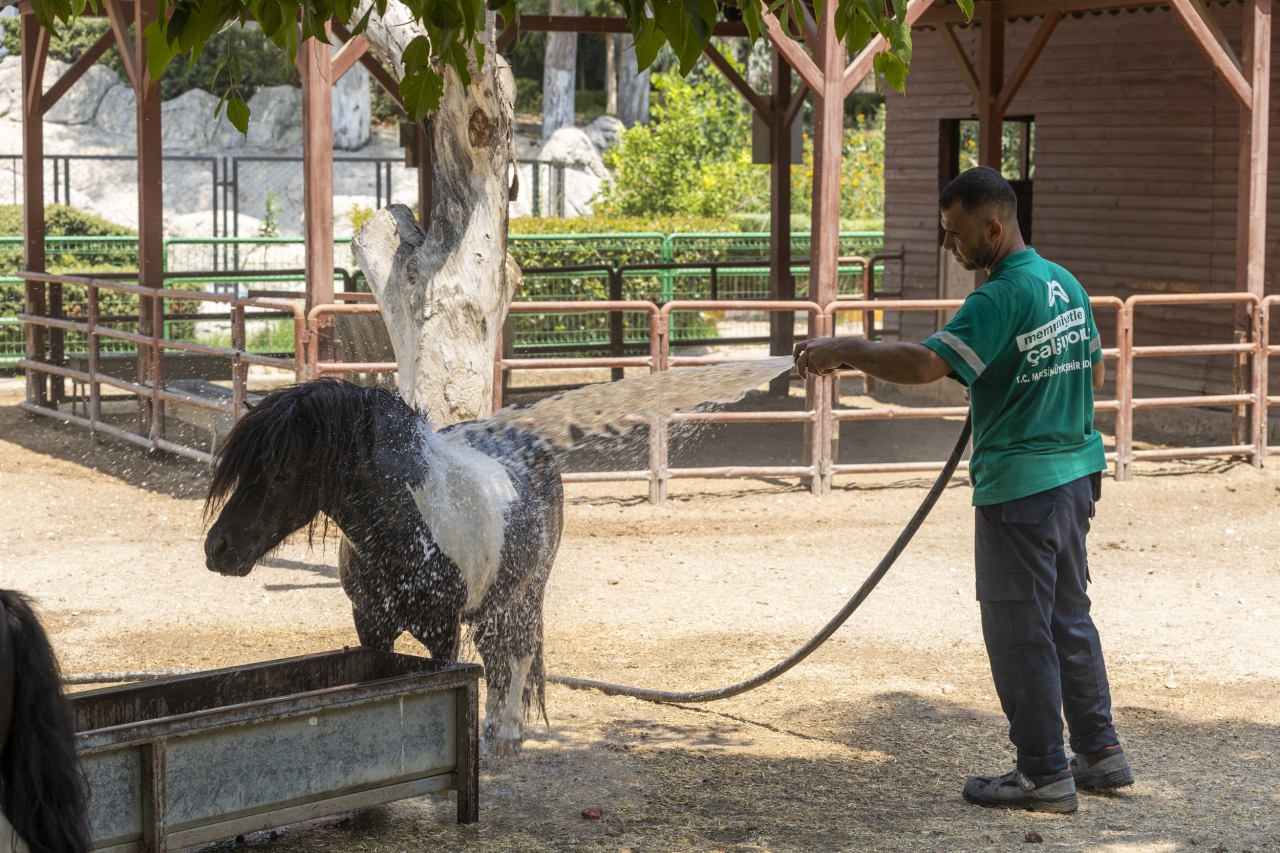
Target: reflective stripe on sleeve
[[1096, 343], [962, 349]]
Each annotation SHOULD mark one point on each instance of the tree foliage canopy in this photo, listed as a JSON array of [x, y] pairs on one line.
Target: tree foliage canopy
[[454, 28]]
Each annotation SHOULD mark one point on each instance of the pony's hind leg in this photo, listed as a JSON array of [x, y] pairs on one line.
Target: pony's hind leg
[[510, 722]]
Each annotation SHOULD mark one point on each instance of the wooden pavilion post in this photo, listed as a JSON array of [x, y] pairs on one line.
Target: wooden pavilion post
[[824, 249], [990, 81], [1251, 229], [315, 65], [782, 285], [150, 220], [1251, 222], [35, 48]]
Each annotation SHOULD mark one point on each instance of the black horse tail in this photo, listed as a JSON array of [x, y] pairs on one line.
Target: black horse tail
[[42, 789]]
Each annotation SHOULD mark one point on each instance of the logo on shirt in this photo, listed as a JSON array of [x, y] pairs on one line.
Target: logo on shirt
[[1055, 291], [1053, 337]]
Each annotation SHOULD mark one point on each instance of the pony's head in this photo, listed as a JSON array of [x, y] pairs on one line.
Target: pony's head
[[300, 452]]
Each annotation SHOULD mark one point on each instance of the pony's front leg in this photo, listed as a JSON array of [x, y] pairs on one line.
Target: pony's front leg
[[375, 632]]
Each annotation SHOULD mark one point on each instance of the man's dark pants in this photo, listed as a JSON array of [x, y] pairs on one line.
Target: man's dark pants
[[1045, 655]]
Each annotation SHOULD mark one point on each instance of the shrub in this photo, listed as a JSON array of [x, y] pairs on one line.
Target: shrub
[[358, 215], [528, 95], [609, 224], [861, 177], [694, 157]]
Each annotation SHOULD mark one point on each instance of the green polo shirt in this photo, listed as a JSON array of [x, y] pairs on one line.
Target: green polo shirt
[[1025, 344]]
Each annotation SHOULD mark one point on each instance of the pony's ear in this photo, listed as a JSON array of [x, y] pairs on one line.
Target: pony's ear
[[397, 445]]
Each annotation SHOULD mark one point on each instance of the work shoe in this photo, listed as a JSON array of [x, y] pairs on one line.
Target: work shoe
[[1054, 792], [1102, 770]]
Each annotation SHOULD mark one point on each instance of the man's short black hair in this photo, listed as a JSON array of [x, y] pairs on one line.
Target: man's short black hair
[[982, 190]]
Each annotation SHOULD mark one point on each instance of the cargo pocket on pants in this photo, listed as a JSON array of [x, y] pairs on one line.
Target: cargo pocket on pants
[[1008, 608]]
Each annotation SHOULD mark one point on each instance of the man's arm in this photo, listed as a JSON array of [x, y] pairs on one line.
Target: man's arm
[[1099, 374], [899, 363]]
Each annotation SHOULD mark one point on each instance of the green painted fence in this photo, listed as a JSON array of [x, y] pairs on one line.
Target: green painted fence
[[244, 262]]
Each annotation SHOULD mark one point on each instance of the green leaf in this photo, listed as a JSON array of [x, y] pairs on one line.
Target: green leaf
[[159, 53], [895, 73], [421, 87], [363, 24], [269, 17], [445, 15], [238, 115], [966, 6]]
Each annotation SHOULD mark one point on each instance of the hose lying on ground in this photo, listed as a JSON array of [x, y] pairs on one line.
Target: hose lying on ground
[[886, 563], [899, 545]]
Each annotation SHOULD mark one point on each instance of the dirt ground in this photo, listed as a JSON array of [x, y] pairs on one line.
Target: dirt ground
[[864, 747]]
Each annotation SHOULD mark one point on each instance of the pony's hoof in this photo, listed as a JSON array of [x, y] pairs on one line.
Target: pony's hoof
[[505, 747]]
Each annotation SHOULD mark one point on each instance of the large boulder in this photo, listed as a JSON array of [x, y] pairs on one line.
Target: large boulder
[[80, 103], [352, 110], [276, 118], [78, 106], [118, 112], [605, 132], [11, 88], [187, 121], [572, 146]]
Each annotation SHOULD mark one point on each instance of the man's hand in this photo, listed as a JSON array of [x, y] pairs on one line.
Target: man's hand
[[896, 361], [819, 356]]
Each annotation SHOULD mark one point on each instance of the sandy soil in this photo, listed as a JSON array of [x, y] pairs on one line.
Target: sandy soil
[[864, 747]]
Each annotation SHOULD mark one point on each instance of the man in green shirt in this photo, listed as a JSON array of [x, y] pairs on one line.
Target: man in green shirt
[[1026, 347]]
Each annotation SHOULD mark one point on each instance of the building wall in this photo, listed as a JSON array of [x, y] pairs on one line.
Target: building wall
[[1135, 174]]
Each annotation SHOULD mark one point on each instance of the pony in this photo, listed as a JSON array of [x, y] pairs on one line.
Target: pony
[[43, 793], [440, 529]]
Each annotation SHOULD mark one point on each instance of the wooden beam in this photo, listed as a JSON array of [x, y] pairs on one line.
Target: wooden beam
[[990, 81], [1212, 23], [606, 24], [35, 85], [1014, 9], [120, 20], [369, 60], [752, 97], [1222, 62], [862, 64], [1029, 56], [794, 54], [379, 72], [348, 55], [797, 102], [961, 60], [76, 71]]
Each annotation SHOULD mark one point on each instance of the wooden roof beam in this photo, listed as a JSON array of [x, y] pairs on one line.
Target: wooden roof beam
[[120, 21], [604, 24], [756, 101], [1029, 56], [348, 55], [794, 54], [76, 71], [1224, 62], [36, 83], [961, 60], [862, 64]]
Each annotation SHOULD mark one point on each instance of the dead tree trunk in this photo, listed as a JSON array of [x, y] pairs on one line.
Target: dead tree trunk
[[444, 292], [633, 87], [559, 67]]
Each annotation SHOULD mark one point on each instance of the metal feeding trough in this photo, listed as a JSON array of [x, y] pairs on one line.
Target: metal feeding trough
[[179, 763]]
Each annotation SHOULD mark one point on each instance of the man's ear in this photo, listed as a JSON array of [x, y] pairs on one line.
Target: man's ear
[[398, 450], [995, 230]]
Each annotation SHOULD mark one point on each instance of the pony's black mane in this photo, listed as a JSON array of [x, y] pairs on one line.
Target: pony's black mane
[[42, 790], [323, 429]]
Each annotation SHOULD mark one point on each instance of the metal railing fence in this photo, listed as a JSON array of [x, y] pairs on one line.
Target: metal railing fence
[[822, 414]]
